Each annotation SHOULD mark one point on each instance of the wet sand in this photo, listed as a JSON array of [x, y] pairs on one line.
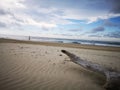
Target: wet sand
[[42, 66]]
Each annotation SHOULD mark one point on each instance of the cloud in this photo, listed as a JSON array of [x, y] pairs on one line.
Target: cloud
[[113, 34], [64, 34], [51, 13], [98, 29], [109, 23], [12, 4], [75, 30], [69, 9], [2, 25], [115, 6], [94, 35], [13, 14], [2, 12]]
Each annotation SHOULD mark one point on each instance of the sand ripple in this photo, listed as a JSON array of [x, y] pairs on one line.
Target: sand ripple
[[36, 75], [23, 70]]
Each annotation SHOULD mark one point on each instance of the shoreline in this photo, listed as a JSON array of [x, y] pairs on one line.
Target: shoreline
[[70, 45]]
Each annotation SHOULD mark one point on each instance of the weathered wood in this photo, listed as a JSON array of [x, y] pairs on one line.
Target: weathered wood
[[112, 76]]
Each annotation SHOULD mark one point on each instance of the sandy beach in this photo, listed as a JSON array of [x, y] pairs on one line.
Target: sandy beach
[[42, 66]]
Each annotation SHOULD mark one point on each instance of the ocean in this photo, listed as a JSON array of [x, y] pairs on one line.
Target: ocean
[[77, 41], [63, 40]]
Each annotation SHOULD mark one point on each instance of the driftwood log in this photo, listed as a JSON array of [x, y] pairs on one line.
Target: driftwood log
[[112, 76]]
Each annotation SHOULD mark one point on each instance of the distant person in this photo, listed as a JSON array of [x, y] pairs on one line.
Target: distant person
[[29, 38]]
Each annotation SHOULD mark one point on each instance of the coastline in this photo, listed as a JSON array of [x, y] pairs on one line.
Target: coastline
[[70, 45]]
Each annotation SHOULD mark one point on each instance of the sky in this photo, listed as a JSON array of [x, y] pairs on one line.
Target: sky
[[74, 19]]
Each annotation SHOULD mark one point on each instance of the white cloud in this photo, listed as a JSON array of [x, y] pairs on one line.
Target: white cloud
[[11, 4], [14, 15], [34, 13], [89, 16], [48, 14]]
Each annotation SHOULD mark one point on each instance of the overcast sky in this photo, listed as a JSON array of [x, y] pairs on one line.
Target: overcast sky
[[80, 19]]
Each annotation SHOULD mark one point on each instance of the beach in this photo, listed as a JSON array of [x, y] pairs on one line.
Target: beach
[[27, 65]]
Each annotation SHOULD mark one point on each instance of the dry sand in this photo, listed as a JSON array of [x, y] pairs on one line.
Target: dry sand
[[26, 66]]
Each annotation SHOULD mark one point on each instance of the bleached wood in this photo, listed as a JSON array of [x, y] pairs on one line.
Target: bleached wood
[[112, 76]]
